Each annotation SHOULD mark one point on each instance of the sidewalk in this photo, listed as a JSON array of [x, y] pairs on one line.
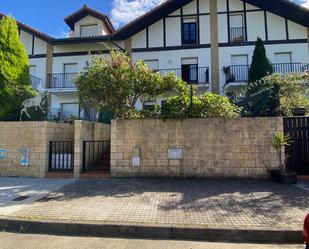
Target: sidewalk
[[218, 204]]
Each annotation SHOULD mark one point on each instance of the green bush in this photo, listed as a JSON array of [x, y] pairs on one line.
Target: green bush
[[207, 105]]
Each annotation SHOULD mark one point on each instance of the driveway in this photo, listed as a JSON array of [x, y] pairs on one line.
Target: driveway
[[18, 193], [214, 203]]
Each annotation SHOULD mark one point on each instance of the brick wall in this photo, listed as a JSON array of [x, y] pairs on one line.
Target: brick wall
[[35, 136], [87, 131], [215, 147]]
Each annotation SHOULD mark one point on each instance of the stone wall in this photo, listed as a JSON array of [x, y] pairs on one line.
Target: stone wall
[[87, 131], [35, 136], [217, 147]]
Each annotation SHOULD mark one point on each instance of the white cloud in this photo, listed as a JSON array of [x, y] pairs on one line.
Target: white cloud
[[306, 4], [125, 11]]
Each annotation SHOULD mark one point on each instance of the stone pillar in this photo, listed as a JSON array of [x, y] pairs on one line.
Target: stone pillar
[[78, 148], [215, 73], [49, 67]]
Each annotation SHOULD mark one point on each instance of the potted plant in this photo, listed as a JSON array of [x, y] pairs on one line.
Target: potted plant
[[280, 140]]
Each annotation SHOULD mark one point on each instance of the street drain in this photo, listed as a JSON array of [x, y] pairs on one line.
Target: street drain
[[21, 198]]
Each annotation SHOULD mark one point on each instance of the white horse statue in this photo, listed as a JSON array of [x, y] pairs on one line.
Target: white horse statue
[[35, 102]]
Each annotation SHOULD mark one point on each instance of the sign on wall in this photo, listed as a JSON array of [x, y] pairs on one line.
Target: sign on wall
[[2, 153], [24, 156], [136, 157], [175, 153]]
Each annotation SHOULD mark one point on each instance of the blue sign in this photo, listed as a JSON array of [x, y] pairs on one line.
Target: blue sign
[[2, 153], [24, 156]]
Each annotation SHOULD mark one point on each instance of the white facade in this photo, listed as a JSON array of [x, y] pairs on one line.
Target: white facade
[[169, 42]]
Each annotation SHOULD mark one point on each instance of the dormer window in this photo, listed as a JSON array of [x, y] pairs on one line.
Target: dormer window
[[88, 30]]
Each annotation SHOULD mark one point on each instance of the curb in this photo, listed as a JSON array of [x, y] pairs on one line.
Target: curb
[[181, 232]]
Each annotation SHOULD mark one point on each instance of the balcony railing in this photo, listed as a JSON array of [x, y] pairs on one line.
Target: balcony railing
[[240, 73], [35, 82], [199, 76], [237, 35], [61, 80]]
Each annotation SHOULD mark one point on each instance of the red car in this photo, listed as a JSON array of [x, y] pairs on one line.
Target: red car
[[306, 231]]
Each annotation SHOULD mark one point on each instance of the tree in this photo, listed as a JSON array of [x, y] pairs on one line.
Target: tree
[[14, 71], [115, 84], [260, 65]]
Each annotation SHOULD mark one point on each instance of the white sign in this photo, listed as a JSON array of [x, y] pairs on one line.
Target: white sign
[[136, 161], [175, 153]]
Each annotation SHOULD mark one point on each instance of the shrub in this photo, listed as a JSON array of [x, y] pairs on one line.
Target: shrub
[[205, 106]]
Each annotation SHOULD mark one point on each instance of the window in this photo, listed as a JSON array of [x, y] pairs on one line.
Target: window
[[283, 63], [153, 65], [70, 71], [189, 31], [237, 29], [283, 57], [239, 69], [88, 30], [69, 109], [189, 70], [32, 70], [239, 59]]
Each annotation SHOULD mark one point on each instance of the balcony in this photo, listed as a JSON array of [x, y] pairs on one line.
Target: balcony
[[237, 35], [35, 82], [61, 81], [240, 73], [194, 75]]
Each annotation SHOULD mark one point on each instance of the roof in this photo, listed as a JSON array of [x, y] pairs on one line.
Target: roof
[[86, 11], [31, 30], [283, 8]]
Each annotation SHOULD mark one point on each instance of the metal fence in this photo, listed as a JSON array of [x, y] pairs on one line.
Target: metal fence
[[96, 156], [61, 80], [61, 155]]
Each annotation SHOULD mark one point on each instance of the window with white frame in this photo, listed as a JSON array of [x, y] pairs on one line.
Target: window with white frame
[[189, 70], [88, 30], [152, 65], [283, 63], [68, 110]]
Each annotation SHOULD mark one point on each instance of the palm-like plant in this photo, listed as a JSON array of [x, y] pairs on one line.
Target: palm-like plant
[[280, 140]]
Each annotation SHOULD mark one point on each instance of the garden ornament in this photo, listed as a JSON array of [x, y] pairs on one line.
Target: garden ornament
[[35, 102]]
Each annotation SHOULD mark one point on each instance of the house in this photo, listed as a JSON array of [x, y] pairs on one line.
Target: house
[[206, 42]]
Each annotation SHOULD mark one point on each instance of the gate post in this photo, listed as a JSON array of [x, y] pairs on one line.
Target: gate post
[[78, 153]]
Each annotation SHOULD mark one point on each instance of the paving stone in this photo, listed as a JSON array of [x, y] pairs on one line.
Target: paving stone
[[216, 203]]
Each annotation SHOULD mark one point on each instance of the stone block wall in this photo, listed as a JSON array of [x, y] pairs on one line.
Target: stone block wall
[[35, 136], [214, 147], [87, 131]]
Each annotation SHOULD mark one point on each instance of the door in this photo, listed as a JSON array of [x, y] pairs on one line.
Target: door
[[70, 71], [189, 70], [283, 63], [239, 67]]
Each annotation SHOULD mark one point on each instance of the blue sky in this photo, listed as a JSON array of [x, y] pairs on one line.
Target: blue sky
[[47, 15]]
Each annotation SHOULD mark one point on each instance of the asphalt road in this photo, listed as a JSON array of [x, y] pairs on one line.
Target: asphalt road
[[25, 241]]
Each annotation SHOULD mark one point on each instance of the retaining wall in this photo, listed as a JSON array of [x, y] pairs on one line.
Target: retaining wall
[[214, 147], [16, 136]]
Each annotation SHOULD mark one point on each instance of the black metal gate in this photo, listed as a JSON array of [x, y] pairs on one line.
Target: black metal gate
[[61, 156], [298, 151], [96, 156]]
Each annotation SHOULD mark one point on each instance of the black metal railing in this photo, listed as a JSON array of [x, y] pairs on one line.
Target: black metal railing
[[61, 156], [198, 75], [61, 80], [237, 35], [240, 73], [35, 82], [237, 73], [96, 155], [284, 68]]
